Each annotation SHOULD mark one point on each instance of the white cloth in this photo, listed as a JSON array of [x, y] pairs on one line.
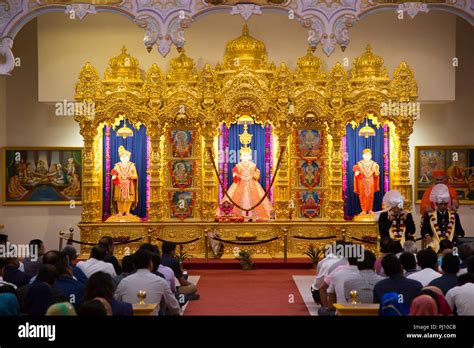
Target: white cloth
[[322, 270], [393, 199], [92, 266], [461, 298], [425, 276], [2, 283], [157, 289], [338, 279], [169, 276]]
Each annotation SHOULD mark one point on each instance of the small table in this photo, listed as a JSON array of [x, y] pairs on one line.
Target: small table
[[360, 309], [144, 309]]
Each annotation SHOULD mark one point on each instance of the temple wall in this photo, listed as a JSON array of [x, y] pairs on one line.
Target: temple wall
[[51, 59]]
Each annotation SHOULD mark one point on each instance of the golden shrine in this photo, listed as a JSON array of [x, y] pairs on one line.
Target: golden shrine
[[246, 83]]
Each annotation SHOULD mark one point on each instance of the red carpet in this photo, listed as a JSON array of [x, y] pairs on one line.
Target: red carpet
[[293, 263], [255, 292]]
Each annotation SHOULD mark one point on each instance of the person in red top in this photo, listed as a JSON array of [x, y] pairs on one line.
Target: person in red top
[[428, 206]]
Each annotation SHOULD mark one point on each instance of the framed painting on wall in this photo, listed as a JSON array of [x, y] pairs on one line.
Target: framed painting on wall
[[42, 176], [454, 163]]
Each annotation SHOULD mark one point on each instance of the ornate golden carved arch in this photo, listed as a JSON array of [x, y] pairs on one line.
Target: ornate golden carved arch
[[246, 83]]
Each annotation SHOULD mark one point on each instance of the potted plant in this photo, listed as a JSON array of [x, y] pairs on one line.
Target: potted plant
[[314, 254], [182, 256], [245, 258]]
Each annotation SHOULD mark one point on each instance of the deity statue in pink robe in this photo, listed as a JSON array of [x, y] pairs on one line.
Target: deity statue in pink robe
[[246, 191]]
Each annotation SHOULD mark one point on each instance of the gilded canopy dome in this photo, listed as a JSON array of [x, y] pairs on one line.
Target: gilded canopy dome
[[123, 67], [245, 51]]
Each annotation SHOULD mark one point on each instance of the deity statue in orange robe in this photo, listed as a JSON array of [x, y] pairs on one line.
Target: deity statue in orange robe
[[366, 181], [125, 182], [246, 191]]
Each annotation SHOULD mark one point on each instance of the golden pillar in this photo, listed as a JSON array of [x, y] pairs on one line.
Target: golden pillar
[[282, 181], [402, 183], [209, 182], [156, 173], [336, 203]]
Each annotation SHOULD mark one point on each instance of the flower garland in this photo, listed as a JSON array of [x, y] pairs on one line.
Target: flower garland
[[449, 228], [175, 180], [317, 175], [184, 153], [397, 233], [317, 210], [309, 159], [180, 215]]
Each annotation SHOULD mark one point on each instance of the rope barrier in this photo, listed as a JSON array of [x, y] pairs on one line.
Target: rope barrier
[[363, 241], [94, 244], [313, 238], [178, 243], [245, 242], [225, 190]]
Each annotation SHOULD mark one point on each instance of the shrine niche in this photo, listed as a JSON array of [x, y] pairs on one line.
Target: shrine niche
[[244, 146]]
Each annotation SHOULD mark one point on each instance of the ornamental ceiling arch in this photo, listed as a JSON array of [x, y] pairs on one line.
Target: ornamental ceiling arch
[[164, 21]]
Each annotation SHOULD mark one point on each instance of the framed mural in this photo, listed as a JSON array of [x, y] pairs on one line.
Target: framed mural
[[42, 176], [455, 163]]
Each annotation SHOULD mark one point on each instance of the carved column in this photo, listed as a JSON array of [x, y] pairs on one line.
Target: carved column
[[336, 203], [282, 181], [209, 179], [402, 183], [155, 212], [91, 208]]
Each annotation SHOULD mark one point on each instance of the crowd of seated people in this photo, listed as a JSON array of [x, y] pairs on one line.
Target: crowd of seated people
[[402, 280], [56, 283]]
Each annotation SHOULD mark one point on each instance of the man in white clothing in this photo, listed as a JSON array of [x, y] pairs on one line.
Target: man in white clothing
[[95, 263], [461, 297], [428, 261], [157, 289]]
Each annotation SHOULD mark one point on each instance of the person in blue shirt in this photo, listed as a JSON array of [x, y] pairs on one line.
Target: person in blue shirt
[[407, 289], [449, 279], [70, 287]]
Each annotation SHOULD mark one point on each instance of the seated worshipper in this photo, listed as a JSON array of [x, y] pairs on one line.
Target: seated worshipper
[[96, 263], [407, 289], [427, 205], [128, 267], [408, 262], [158, 268], [95, 308], [168, 259], [437, 294], [65, 282], [465, 251], [441, 223], [3, 263], [33, 264], [9, 305], [46, 275], [61, 309], [410, 247], [445, 247], [364, 281], [38, 299], [335, 285], [102, 285], [12, 274], [49, 258], [71, 252], [157, 289], [108, 243], [396, 223], [323, 269], [449, 279], [384, 249], [390, 305], [428, 262], [461, 297]]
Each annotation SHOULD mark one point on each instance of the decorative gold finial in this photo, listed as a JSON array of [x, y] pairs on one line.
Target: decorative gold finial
[[141, 297], [369, 65], [245, 51], [354, 297]]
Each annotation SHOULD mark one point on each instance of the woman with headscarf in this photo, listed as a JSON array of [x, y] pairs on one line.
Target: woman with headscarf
[[61, 309], [38, 298], [9, 304], [430, 302]]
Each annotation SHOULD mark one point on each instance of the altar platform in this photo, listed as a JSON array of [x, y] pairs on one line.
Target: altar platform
[[275, 240]]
